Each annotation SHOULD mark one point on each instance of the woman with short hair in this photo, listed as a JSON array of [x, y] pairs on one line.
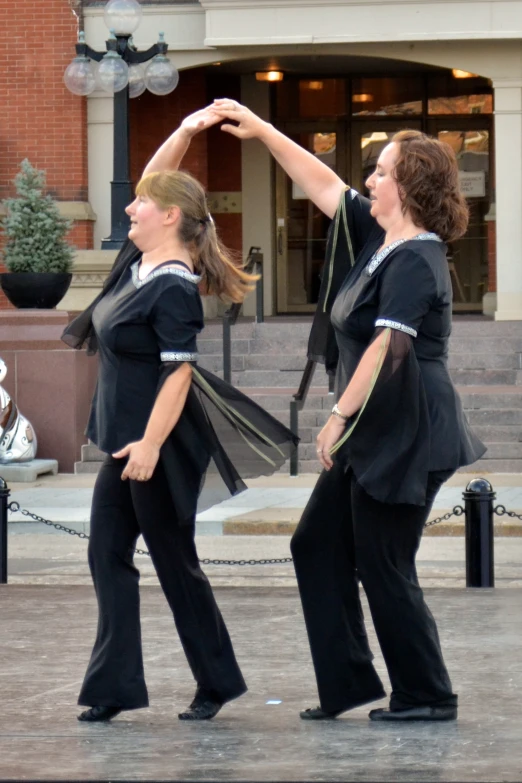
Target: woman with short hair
[[397, 430]]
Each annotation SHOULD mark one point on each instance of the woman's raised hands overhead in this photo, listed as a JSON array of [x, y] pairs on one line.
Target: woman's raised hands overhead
[[200, 120], [249, 125], [320, 183]]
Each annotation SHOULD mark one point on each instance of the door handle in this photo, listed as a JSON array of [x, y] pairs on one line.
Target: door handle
[[280, 241]]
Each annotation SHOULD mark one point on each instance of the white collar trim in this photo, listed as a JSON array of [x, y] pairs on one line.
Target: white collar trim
[[378, 258], [165, 270]]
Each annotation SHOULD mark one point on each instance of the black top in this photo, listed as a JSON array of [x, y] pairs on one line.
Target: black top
[[140, 324], [144, 330], [412, 421]]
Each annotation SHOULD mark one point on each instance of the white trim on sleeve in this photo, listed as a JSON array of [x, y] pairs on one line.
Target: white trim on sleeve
[[396, 325], [178, 356]]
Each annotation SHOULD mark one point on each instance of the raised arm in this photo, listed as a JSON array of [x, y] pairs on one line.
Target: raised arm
[[320, 183], [170, 154]]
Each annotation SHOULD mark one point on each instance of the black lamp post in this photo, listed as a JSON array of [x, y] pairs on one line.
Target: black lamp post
[[119, 72]]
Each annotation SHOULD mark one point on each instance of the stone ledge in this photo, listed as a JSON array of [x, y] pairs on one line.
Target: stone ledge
[[72, 210], [26, 472], [283, 522]]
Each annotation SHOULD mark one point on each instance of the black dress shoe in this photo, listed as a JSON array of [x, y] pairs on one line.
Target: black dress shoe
[[415, 713], [98, 714], [316, 713], [205, 706]]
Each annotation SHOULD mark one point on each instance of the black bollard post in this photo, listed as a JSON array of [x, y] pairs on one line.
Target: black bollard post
[[478, 503], [4, 496]]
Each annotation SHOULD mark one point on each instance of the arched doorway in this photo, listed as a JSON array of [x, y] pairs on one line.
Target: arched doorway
[[346, 118]]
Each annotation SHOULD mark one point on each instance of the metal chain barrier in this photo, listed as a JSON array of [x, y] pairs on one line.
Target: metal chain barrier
[[457, 511], [15, 507], [501, 511]]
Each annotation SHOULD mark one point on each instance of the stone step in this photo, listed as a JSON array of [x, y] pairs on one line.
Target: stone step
[[462, 325], [466, 377], [498, 433], [279, 370], [492, 417], [484, 361], [278, 342], [91, 453], [214, 363], [87, 467], [241, 330], [291, 378], [492, 398], [494, 466], [277, 378], [493, 436], [296, 360], [276, 403], [497, 450], [238, 347]]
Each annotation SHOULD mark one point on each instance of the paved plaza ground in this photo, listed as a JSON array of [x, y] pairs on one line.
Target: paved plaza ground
[[48, 622], [47, 631]]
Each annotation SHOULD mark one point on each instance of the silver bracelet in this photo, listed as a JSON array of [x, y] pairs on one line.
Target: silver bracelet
[[338, 413]]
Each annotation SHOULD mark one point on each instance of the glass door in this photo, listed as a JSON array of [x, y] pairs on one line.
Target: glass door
[[468, 257], [368, 141], [301, 227]]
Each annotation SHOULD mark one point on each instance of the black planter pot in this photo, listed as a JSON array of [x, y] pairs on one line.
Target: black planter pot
[[35, 290]]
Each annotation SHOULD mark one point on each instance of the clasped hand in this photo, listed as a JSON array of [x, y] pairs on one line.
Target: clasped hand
[[143, 458], [327, 438]]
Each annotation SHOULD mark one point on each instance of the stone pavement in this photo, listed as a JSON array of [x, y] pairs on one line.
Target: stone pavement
[[45, 640], [48, 624]]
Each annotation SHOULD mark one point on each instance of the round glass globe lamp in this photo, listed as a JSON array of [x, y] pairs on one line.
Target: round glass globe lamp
[[80, 76], [113, 73], [123, 16], [160, 75], [137, 84]]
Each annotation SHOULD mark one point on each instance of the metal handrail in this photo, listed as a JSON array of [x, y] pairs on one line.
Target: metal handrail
[[253, 264], [297, 404]]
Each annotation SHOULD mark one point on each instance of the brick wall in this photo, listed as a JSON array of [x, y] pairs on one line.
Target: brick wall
[[224, 157], [41, 120], [153, 118]]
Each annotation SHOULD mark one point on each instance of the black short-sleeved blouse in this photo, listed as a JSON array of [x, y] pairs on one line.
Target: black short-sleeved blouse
[[139, 325], [143, 331], [412, 421]]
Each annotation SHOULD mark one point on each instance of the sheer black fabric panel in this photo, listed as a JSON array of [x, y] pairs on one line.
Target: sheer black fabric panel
[[389, 448], [345, 241], [211, 448], [80, 332]]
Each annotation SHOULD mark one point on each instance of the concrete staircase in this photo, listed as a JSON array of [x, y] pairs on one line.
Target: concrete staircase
[[268, 361]]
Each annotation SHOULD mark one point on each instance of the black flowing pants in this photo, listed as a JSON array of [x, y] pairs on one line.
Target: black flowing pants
[[345, 535], [121, 510]]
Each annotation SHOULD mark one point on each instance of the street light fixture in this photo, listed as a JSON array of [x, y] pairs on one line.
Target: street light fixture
[[120, 72]]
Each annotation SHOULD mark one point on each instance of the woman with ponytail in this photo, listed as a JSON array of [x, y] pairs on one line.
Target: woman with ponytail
[[163, 423]]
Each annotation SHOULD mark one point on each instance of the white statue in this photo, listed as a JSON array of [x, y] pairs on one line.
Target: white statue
[[17, 438]]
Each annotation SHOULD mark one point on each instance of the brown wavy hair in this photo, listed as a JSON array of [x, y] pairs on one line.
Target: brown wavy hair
[[220, 269], [427, 174]]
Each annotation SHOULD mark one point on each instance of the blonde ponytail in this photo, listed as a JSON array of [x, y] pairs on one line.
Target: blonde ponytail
[[221, 270]]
